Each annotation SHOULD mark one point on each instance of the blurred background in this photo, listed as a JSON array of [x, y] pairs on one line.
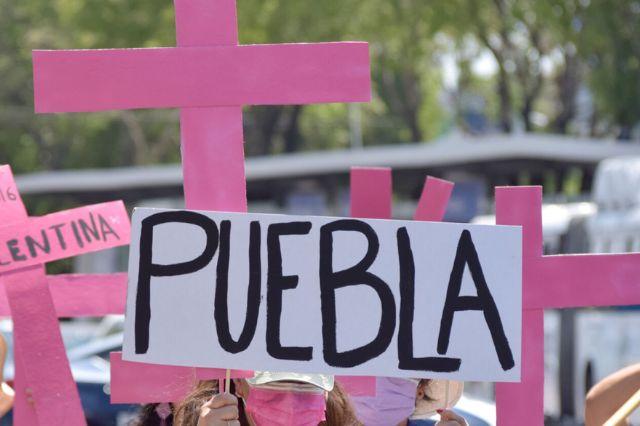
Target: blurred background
[[480, 92]]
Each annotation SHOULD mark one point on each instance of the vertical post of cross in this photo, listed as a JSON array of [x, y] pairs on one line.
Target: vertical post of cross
[[523, 403], [211, 137]]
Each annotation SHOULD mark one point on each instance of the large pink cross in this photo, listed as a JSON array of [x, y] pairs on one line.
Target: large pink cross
[[35, 300], [560, 281], [209, 77]]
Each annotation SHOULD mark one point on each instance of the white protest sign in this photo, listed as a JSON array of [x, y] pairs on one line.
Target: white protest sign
[[324, 295]]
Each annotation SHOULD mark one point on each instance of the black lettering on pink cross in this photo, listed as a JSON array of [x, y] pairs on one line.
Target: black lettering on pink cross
[[35, 301]]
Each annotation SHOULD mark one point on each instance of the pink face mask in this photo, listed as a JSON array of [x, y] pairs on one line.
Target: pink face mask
[[279, 408], [395, 400]]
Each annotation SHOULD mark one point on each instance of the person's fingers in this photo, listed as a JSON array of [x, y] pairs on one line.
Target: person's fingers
[[221, 399], [449, 418], [228, 412], [217, 422], [222, 416], [226, 423]]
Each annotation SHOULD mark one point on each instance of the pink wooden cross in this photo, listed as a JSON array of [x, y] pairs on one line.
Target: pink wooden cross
[[371, 197], [40, 359], [209, 77], [561, 281], [549, 281]]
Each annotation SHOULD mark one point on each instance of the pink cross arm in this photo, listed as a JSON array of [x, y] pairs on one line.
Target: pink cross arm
[[80, 295], [433, 201], [585, 280], [64, 234], [137, 382], [94, 80]]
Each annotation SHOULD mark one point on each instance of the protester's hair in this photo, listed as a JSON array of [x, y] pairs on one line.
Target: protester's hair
[[339, 411], [147, 416], [424, 384], [187, 411]]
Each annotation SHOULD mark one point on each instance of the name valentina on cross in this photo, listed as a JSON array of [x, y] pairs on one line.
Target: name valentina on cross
[[65, 235]]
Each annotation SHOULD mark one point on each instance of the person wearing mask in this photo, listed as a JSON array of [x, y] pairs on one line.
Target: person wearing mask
[[268, 399], [410, 402]]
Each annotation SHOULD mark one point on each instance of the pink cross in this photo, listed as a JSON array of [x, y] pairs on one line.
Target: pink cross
[[35, 301], [549, 281], [561, 281], [209, 77]]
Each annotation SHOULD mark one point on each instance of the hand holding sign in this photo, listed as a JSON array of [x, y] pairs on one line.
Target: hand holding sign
[[221, 409]]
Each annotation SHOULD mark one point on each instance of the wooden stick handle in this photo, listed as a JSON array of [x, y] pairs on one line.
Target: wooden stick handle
[[625, 411], [227, 381], [446, 395]]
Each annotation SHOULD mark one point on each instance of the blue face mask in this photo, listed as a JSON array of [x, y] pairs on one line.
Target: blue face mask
[[394, 402]]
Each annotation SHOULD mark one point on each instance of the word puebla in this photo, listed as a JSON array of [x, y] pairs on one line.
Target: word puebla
[[380, 257]]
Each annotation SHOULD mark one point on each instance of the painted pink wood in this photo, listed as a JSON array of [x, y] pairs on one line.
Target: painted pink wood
[[65, 241], [371, 195], [206, 22], [11, 205], [37, 337], [210, 77], [585, 280], [41, 361], [137, 382], [221, 374], [553, 282], [522, 403], [433, 201], [83, 295], [211, 138], [213, 159], [24, 413], [177, 77]]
